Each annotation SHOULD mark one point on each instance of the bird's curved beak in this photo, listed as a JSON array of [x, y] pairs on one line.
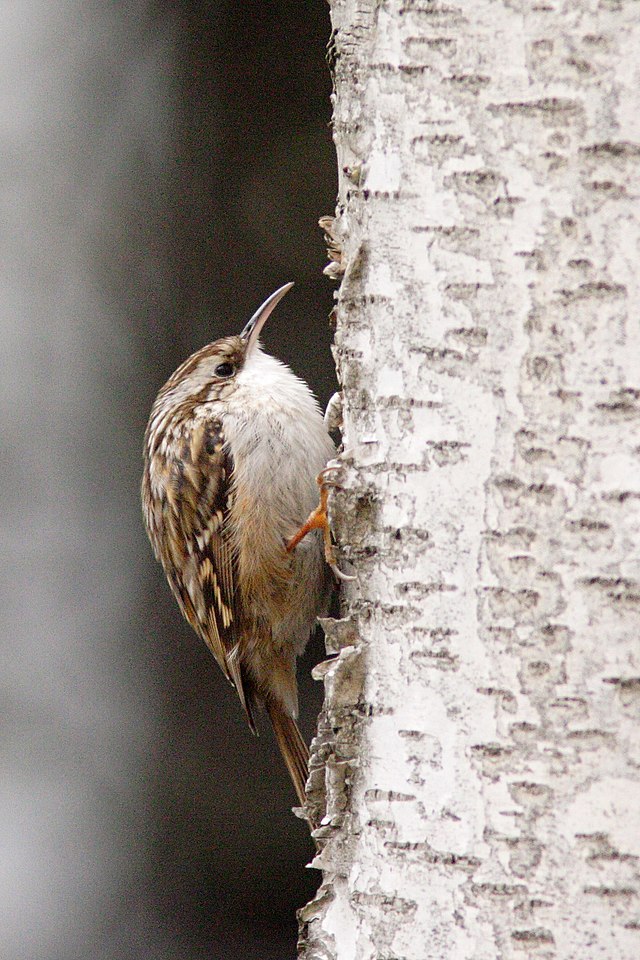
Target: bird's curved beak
[[252, 330]]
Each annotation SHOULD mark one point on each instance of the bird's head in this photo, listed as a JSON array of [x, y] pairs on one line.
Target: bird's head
[[211, 373]]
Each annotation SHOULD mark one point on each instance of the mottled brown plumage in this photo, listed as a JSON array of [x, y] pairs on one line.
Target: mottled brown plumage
[[232, 449]]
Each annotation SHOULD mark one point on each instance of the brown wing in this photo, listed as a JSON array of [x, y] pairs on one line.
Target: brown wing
[[204, 583]]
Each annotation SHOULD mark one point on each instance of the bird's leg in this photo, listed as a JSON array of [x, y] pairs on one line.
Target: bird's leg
[[319, 520]]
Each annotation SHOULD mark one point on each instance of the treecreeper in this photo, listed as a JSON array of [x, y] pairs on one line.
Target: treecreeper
[[233, 448]]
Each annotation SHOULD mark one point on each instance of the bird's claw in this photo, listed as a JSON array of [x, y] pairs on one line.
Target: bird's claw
[[319, 520]]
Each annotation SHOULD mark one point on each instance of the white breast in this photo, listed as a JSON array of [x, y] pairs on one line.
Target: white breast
[[278, 439]]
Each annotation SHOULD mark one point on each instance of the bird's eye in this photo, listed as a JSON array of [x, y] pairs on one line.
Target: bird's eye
[[224, 370]]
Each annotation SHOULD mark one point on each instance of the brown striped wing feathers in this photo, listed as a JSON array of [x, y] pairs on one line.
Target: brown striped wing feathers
[[195, 547]]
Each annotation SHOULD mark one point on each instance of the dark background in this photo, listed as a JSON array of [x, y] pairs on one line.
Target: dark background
[[165, 166]]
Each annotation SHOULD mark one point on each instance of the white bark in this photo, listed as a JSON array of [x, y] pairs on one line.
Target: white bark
[[479, 747]]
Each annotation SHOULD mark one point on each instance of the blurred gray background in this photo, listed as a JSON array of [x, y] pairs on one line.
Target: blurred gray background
[[163, 168]]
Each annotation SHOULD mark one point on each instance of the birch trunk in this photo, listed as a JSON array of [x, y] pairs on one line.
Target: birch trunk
[[478, 753]]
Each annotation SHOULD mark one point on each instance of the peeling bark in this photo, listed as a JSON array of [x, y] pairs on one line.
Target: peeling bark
[[478, 751]]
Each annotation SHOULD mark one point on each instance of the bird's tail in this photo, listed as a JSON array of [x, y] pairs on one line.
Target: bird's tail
[[294, 750]]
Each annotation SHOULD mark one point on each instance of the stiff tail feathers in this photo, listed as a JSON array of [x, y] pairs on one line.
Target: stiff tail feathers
[[294, 750]]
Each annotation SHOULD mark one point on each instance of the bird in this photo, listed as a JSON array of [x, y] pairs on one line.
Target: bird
[[233, 449]]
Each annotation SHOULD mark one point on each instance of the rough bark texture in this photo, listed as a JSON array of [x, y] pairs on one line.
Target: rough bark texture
[[478, 753]]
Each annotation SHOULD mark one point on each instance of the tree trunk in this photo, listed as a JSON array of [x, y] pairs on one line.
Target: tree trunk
[[478, 751]]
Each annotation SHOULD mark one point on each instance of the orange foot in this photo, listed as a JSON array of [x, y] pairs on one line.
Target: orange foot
[[318, 520]]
